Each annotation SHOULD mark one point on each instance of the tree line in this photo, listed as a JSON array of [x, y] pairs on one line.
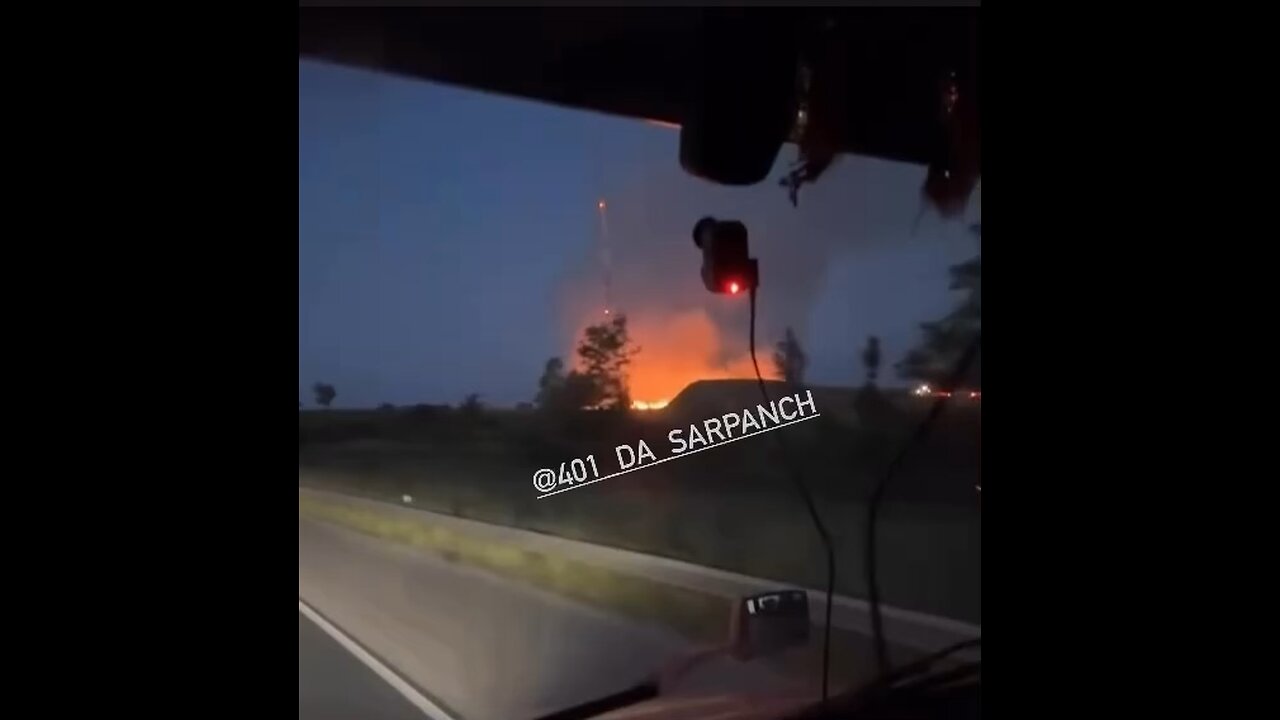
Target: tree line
[[606, 350]]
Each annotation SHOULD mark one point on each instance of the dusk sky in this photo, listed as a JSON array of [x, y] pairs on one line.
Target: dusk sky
[[449, 243]]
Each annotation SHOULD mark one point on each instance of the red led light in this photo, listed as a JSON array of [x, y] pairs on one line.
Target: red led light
[[733, 288]]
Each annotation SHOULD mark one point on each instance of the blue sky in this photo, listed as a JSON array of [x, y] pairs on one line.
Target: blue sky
[[448, 242]]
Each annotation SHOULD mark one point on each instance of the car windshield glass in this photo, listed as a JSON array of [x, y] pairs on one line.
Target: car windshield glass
[[534, 461]]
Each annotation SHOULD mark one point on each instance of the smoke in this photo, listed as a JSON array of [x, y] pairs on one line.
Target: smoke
[[686, 333], [679, 348]]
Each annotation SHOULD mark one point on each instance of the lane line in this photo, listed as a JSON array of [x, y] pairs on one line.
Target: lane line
[[638, 564], [686, 453], [402, 686]]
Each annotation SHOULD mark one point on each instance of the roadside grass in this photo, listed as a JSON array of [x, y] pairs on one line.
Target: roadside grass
[[731, 507], [698, 616]]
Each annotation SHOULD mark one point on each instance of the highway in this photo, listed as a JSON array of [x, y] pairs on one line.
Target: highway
[[334, 685], [475, 645]]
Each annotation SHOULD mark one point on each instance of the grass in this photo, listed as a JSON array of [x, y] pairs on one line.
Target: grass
[[731, 507], [698, 616]]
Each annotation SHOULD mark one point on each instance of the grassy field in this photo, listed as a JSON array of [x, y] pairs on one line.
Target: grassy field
[[731, 507]]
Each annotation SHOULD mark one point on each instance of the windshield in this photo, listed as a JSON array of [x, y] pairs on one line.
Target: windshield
[[529, 470]]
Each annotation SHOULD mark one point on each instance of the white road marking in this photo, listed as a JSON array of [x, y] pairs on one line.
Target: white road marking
[[410, 693]]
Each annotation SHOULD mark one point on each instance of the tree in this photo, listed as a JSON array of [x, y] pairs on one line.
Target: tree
[[605, 351], [946, 340], [871, 359], [580, 391], [789, 359], [551, 382], [471, 405], [324, 394], [559, 393]]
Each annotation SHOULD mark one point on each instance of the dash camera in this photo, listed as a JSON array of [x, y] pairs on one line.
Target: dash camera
[[726, 267]]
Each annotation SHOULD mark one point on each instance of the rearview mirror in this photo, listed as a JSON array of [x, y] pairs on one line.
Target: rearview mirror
[[769, 623]]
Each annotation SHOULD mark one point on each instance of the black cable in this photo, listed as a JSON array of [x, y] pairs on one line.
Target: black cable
[[873, 587], [928, 683], [925, 663], [808, 501]]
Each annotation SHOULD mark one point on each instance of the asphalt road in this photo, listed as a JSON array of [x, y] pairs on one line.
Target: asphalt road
[[478, 645], [334, 685]]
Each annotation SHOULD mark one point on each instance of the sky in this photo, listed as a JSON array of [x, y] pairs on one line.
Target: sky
[[449, 242]]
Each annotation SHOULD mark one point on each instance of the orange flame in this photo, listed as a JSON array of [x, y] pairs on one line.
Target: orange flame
[[677, 349], [654, 405]]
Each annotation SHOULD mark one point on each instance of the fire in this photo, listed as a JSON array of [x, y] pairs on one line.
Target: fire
[[677, 349], [655, 405]]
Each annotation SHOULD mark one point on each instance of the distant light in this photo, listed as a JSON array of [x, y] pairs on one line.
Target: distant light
[[733, 288], [606, 311], [600, 204], [407, 499]]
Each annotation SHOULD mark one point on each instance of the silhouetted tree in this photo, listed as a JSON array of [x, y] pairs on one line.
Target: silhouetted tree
[[471, 405], [580, 391], [605, 352], [871, 359], [324, 393], [945, 340], [551, 382], [559, 393], [789, 359]]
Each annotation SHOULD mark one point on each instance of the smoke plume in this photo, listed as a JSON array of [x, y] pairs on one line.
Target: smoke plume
[[685, 333]]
